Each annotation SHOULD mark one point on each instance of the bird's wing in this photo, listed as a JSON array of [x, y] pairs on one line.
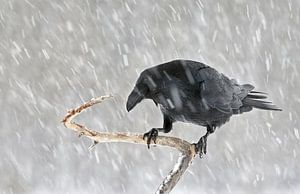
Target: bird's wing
[[219, 92]]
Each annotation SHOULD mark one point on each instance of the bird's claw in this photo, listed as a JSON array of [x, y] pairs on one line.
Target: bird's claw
[[151, 135], [201, 146]]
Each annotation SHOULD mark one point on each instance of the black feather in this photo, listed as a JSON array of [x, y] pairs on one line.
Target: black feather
[[265, 105], [256, 96], [256, 92]]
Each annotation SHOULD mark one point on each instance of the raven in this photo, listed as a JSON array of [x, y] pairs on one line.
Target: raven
[[190, 91]]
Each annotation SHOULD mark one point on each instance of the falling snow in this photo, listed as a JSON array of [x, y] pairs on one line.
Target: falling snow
[[55, 54]]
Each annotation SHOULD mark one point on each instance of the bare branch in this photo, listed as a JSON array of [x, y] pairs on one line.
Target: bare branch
[[187, 149]]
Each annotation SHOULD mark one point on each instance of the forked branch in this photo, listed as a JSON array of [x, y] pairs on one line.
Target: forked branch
[[186, 149]]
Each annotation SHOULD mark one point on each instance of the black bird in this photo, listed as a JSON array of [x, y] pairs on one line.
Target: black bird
[[190, 91]]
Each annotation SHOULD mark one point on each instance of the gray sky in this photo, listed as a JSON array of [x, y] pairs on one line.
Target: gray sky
[[54, 55]]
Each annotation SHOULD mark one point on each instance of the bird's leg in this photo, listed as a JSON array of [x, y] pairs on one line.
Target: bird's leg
[[153, 133], [201, 146]]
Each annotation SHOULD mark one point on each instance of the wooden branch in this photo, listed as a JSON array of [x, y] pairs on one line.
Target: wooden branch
[[186, 149]]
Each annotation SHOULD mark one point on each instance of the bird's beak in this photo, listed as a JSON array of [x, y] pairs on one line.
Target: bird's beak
[[133, 99]]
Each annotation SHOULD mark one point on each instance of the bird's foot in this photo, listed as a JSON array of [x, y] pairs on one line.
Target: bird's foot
[[201, 146], [151, 135]]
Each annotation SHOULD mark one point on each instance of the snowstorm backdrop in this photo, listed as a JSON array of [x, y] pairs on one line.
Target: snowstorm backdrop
[[55, 55]]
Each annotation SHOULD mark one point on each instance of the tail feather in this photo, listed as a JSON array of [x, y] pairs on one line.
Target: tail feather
[[256, 92], [256, 96], [248, 100], [254, 101]]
